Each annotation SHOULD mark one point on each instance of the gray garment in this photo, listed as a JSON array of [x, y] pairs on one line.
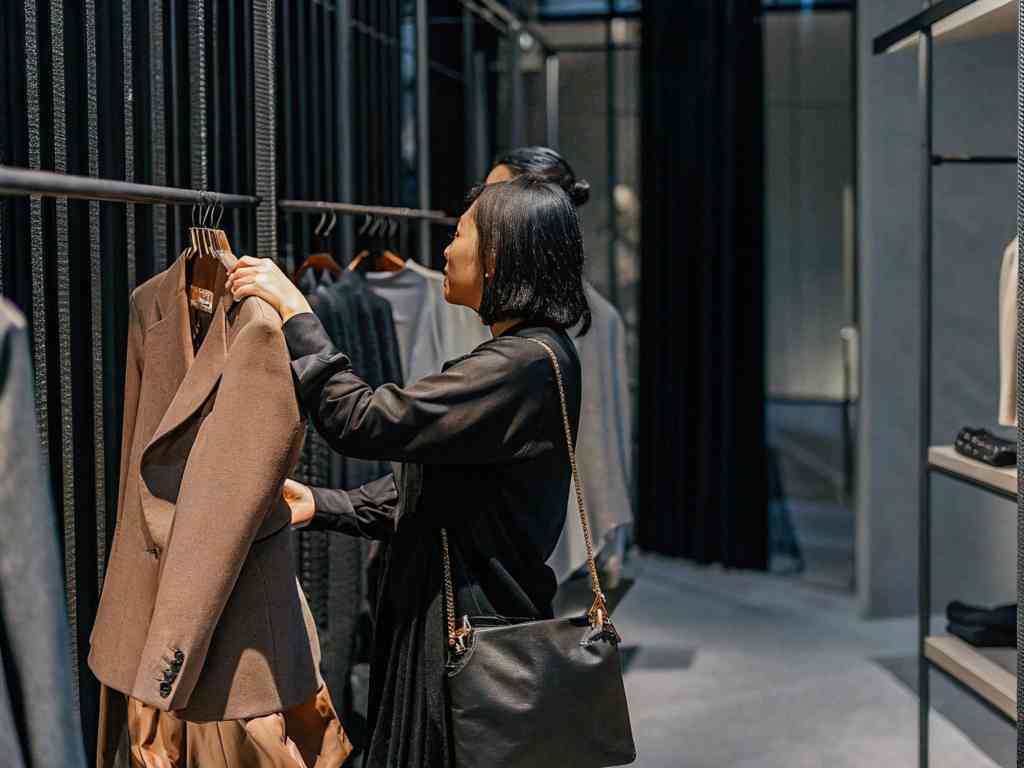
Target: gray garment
[[39, 724], [430, 330], [604, 445]]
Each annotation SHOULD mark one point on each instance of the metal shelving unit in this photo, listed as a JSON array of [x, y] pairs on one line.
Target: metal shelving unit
[[988, 675]]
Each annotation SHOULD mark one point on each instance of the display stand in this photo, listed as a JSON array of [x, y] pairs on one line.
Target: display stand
[[990, 676]]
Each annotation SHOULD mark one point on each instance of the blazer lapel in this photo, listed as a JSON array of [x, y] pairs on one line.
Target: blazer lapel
[[201, 377], [202, 371]]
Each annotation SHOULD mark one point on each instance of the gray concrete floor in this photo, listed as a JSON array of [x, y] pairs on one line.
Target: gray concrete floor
[[734, 669]]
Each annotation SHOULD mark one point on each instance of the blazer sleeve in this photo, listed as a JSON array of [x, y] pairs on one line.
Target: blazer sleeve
[[487, 407], [368, 512], [235, 473]]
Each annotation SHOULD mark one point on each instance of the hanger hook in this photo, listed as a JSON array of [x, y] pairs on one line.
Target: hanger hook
[[320, 223], [220, 215], [330, 227]]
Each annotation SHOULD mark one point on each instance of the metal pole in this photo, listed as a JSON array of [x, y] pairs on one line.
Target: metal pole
[[481, 136], [613, 169], [552, 99], [924, 432], [515, 73], [343, 118], [473, 174], [25, 181], [423, 123], [355, 209]]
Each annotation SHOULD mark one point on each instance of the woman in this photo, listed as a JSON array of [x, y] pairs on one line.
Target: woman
[[482, 447], [544, 162]]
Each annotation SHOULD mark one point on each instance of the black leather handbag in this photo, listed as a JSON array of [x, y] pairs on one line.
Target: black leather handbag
[[538, 694]]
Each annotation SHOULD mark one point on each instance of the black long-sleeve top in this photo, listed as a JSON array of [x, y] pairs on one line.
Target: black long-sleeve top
[[481, 449]]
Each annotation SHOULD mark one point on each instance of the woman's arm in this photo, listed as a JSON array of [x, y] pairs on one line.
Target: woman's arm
[[486, 407], [368, 512]]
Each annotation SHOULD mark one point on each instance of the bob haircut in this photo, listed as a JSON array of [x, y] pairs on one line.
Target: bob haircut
[[547, 163], [530, 245]]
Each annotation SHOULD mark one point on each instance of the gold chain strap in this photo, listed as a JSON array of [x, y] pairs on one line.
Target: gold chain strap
[[598, 612]]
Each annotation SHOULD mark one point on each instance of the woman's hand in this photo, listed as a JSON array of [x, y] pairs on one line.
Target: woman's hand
[[263, 278], [300, 501]]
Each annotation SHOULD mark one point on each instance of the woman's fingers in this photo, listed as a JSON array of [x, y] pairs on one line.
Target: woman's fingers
[[263, 278], [246, 261]]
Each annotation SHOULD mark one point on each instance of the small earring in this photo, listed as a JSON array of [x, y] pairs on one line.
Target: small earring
[[486, 276]]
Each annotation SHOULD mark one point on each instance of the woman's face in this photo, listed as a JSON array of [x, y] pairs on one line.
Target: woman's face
[[464, 279]]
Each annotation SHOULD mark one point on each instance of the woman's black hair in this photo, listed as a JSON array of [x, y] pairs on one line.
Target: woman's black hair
[[548, 164], [531, 247]]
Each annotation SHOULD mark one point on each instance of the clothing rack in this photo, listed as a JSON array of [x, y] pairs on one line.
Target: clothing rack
[[973, 160], [974, 670], [25, 181], [354, 209]]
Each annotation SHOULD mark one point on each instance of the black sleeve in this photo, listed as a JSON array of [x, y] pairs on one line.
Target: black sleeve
[[369, 512], [485, 408]]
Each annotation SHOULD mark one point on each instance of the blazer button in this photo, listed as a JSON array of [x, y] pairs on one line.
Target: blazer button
[[178, 655], [165, 690], [176, 665], [169, 675]]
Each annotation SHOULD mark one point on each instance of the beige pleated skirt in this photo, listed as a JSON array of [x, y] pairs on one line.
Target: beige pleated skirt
[[309, 735]]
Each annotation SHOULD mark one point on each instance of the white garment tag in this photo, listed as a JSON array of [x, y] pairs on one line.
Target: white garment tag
[[202, 300]]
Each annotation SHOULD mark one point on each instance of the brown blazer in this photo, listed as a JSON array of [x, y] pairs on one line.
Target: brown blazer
[[201, 611]]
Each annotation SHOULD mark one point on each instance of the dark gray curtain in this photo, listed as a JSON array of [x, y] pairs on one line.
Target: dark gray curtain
[[703, 488]]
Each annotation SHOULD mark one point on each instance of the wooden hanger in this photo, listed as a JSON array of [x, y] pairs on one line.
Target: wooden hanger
[[321, 261], [385, 259]]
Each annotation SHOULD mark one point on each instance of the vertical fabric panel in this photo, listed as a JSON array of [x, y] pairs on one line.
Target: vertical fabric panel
[[64, 327], [703, 474], [158, 127], [129, 138], [266, 181], [36, 206], [235, 163], [96, 296], [216, 177], [197, 87]]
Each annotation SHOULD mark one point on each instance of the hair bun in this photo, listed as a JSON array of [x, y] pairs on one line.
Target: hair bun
[[579, 192]]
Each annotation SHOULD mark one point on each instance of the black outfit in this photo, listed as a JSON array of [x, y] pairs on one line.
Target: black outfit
[[332, 568], [483, 447]]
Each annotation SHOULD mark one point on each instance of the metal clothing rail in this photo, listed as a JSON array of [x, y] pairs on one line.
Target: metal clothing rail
[[497, 14], [24, 181], [353, 209]]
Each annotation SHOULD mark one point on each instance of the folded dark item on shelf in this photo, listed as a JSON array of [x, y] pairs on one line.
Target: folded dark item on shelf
[[982, 445], [984, 637], [1000, 617]]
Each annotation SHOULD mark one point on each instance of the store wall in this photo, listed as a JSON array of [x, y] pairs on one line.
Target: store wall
[[809, 155], [974, 533]]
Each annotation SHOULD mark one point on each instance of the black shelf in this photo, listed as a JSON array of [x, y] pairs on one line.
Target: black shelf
[[976, 18]]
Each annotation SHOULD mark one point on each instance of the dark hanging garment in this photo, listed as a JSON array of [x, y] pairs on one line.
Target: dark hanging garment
[[357, 320], [38, 722]]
